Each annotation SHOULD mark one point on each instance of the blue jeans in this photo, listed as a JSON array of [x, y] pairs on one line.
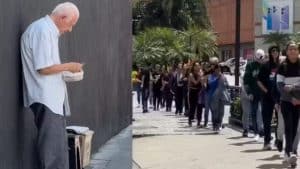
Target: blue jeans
[[207, 107]]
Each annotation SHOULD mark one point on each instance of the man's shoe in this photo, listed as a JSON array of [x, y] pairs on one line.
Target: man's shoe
[[267, 147], [256, 137], [190, 124], [286, 158], [293, 161], [279, 145], [245, 133]]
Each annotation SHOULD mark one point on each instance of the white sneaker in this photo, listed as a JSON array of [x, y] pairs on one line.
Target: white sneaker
[[285, 158], [293, 160], [267, 147], [256, 137]]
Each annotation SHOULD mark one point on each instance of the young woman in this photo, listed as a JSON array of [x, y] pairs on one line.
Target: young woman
[[287, 78], [167, 90], [194, 88], [201, 103], [157, 84], [185, 89], [270, 94]]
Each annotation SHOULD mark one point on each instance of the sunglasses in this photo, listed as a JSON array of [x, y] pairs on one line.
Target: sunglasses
[[275, 50]]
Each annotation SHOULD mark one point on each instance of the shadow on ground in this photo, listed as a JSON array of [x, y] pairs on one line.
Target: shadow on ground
[[244, 143], [254, 151], [273, 158], [273, 166], [235, 138]]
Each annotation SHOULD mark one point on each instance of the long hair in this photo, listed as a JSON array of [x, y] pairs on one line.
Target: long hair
[[271, 59], [193, 67]]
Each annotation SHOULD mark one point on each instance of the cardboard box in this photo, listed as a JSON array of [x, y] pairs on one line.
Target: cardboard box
[[86, 145]]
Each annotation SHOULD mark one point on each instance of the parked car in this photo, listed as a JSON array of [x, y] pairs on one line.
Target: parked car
[[229, 65]]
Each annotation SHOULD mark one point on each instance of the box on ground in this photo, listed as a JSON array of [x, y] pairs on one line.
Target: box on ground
[[85, 140]]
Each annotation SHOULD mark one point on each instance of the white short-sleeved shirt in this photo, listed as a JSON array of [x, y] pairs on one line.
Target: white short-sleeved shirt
[[39, 49]]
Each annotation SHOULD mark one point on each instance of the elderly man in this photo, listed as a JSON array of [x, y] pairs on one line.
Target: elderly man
[[44, 87]]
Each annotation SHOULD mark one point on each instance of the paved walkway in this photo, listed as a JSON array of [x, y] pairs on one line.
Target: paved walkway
[[163, 141], [116, 153]]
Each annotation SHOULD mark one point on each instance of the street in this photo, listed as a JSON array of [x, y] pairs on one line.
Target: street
[[164, 141]]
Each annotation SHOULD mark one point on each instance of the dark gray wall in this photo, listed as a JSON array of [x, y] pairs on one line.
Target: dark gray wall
[[102, 101]]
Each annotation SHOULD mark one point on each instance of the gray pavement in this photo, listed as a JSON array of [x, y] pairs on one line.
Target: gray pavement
[[116, 153], [164, 141]]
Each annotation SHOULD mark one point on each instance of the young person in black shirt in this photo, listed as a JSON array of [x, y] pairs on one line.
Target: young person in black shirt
[[270, 95], [145, 88], [180, 81], [288, 77], [194, 88], [156, 88]]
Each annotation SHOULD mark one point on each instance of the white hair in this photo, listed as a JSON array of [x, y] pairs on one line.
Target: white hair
[[259, 54], [66, 9]]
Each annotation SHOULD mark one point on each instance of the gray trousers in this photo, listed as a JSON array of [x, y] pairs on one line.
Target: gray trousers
[[217, 110], [52, 143], [246, 107]]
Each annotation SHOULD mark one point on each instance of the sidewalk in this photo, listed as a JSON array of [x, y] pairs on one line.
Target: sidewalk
[[163, 141], [116, 153]]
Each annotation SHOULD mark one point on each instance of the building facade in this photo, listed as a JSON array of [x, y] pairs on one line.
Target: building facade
[[102, 40], [222, 18], [259, 36]]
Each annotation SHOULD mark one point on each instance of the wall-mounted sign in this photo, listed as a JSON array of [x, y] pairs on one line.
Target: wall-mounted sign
[[278, 16]]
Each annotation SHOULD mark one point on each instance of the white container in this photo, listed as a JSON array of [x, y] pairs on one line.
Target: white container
[[72, 77]]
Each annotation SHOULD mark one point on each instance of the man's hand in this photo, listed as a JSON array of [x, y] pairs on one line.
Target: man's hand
[[295, 101], [74, 67]]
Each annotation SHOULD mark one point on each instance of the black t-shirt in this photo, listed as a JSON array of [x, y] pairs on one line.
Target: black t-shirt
[[157, 84], [267, 76], [146, 78]]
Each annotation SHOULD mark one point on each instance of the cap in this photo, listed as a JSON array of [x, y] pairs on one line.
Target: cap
[[259, 54]]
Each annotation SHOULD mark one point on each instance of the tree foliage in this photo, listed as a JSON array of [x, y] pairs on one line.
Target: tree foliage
[[167, 46], [177, 14]]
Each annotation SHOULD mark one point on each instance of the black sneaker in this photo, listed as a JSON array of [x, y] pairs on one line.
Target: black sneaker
[[245, 133], [279, 145]]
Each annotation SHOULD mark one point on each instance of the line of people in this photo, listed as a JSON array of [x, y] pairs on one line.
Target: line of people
[[271, 88], [195, 87]]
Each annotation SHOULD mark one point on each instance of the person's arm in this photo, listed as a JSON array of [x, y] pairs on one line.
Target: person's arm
[[43, 59], [261, 76], [247, 79], [72, 67], [262, 87], [282, 87]]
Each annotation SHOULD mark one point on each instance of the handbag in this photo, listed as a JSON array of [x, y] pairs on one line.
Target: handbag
[[225, 94], [226, 97]]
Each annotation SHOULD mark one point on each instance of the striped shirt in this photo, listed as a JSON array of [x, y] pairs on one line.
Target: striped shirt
[[288, 74]]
